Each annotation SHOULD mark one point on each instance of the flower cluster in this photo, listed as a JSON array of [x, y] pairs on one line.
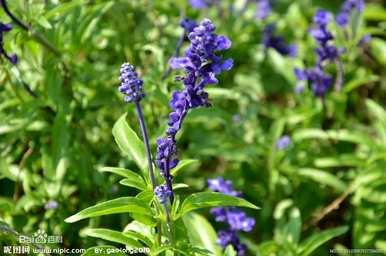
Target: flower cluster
[[325, 51], [131, 85], [234, 217], [348, 6], [3, 29], [162, 192], [277, 42], [320, 81], [201, 65]]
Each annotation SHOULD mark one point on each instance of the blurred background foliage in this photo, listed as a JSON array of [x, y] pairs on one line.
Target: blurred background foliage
[[58, 105]]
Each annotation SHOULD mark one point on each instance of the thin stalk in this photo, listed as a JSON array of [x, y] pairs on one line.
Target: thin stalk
[[176, 54], [40, 38], [339, 75], [169, 225], [146, 141], [168, 179]]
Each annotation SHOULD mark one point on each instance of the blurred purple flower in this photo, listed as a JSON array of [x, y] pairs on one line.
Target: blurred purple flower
[[283, 142], [365, 39], [348, 6], [236, 118], [52, 204], [277, 42], [263, 9], [234, 217], [199, 4]]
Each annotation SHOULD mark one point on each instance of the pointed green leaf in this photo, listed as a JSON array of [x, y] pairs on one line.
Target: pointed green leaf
[[129, 142], [181, 165], [323, 177], [211, 199], [201, 233], [313, 242], [119, 205], [112, 236], [119, 171]]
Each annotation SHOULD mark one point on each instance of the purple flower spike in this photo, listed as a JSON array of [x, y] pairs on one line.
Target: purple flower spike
[[201, 64], [348, 6], [236, 219], [131, 85]]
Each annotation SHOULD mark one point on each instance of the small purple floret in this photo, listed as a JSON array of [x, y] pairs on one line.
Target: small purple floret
[[283, 142]]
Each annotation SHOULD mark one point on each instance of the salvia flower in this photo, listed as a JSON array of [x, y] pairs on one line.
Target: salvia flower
[[162, 192], [326, 50], [263, 9], [270, 40], [283, 142], [236, 219], [201, 65], [131, 85], [348, 6], [320, 81], [3, 29]]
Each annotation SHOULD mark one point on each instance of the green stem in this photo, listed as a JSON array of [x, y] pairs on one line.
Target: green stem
[[169, 225]]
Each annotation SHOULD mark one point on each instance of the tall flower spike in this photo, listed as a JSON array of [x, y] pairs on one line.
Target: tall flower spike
[[348, 6], [236, 219], [326, 51], [201, 65], [3, 29], [131, 85]]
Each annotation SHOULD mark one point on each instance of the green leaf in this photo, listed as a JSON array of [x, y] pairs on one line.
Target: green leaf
[[181, 165], [211, 199], [134, 183], [323, 177], [119, 171], [230, 251], [102, 250], [119, 205], [342, 160], [139, 228], [129, 142], [313, 242], [112, 236], [378, 48], [201, 233]]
